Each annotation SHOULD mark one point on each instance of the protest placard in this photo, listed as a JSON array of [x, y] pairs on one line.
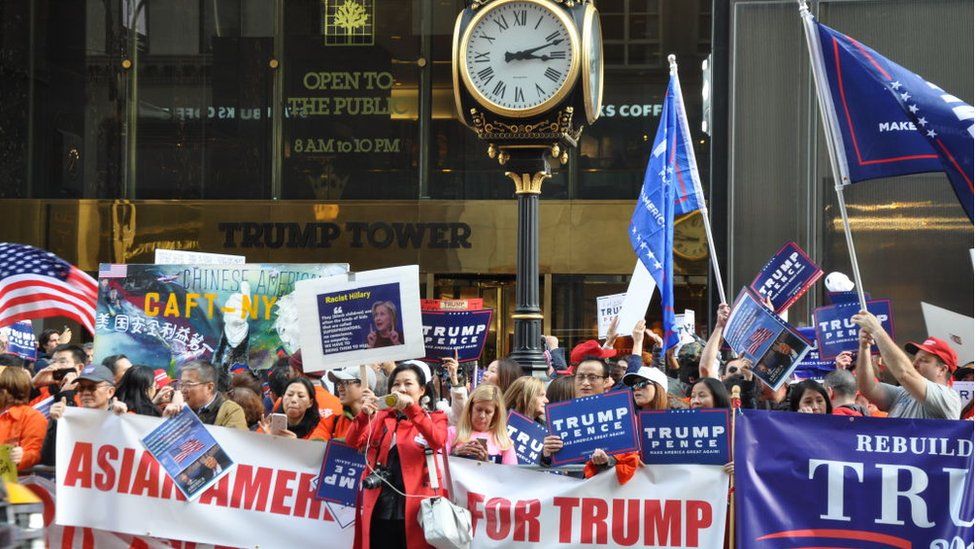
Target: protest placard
[[951, 327], [185, 257], [21, 340], [685, 326], [836, 332], [607, 307], [786, 277], [447, 332], [271, 490], [362, 318], [685, 436], [965, 390], [188, 453], [342, 469], [527, 436], [168, 315], [815, 480], [812, 366], [771, 344], [606, 421]]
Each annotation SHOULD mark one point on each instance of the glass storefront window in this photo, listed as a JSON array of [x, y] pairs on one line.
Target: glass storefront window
[[352, 89]]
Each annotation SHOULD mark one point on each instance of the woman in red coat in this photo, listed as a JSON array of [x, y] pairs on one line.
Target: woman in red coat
[[394, 440]]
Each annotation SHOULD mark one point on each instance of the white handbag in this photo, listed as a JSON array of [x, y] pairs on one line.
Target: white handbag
[[446, 526]]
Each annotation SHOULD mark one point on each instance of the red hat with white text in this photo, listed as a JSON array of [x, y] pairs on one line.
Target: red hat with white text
[[937, 347]]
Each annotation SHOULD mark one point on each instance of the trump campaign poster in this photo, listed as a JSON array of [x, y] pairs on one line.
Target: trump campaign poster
[[606, 422], [167, 315], [836, 332], [772, 345], [450, 332], [786, 277], [360, 318], [810, 480]]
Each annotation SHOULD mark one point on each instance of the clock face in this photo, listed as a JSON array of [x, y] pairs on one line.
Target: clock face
[[519, 57], [592, 63], [689, 238]]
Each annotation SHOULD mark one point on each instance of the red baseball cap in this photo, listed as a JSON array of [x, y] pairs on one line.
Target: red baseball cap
[[161, 378], [591, 348], [938, 348]]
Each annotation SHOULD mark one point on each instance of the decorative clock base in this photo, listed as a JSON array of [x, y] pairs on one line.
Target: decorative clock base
[[529, 171]]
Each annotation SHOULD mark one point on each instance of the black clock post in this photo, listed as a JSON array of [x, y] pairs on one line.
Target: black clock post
[[528, 172]]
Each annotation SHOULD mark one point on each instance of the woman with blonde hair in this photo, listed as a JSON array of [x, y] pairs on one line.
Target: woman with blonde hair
[[527, 396], [482, 429]]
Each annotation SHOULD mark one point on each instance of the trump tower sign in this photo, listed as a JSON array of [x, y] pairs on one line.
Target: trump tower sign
[[813, 480]]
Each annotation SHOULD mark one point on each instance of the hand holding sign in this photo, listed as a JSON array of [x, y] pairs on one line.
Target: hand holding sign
[[869, 323]]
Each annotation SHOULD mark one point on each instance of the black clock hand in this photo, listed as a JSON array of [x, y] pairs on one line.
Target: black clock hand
[[519, 55]]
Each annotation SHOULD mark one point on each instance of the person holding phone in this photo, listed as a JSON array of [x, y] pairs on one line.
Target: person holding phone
[[482, 429], [301, 417]]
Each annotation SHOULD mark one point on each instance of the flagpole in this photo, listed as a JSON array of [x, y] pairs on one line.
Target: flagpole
[[831, 128], [701, 199]]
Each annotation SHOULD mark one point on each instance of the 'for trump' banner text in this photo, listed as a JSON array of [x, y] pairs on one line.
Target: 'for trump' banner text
[[812, 480], [662, 506]]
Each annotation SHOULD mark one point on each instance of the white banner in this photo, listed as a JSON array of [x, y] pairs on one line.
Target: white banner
[[638, 298], [661, 506], [183, 257], [106, 480]]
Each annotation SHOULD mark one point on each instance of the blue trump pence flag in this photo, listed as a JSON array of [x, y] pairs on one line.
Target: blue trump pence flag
[[887, 120], [671, 187]]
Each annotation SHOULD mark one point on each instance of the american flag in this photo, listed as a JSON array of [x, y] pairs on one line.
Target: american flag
[[186, 449], [757, 339], [35, 283]]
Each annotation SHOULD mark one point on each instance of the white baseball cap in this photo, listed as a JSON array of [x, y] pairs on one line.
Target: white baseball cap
[[351, 373], [649, 374]]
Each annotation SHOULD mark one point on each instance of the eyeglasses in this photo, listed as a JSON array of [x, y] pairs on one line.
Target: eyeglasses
[[641, 384], [89, 388], [592, 378], [180, 384], [348, 382]]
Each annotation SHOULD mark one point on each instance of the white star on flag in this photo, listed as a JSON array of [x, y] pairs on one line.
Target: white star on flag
[[895, 85], [922, 121], [931, 133], [905, 96], [913, 108]]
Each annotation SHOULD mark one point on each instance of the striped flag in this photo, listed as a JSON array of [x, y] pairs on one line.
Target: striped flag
[[757, 339], [186, 449], [35, 283]]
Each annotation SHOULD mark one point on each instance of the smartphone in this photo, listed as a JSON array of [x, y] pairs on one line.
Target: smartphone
[[483, 443], [279, 422]]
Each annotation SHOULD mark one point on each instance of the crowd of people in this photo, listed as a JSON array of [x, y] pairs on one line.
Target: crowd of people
[[400, 413]]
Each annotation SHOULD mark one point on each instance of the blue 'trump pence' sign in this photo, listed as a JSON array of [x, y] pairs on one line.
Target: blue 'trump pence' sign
[[836, 332], [589, 423], [786, 276], [699, 437], [527, 437], [342, 469]]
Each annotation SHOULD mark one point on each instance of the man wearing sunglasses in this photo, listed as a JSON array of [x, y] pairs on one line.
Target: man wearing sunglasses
[[96, 391]]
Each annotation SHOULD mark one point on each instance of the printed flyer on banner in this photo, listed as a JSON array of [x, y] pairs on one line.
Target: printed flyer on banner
[[360, 318], [342, 469], [527, 436], [184, 257], [836, 332], [103, 466], [188, 453], [607, 307], [20, 339], [773, 346], [167, 315], [585, 424], [685, 436], [661, 506], [447, 332], [786, 277], [852, 481]]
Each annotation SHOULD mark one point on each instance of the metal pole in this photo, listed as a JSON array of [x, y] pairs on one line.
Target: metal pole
[[277, 100], [713, 255], [827, 118], [132, 118], [527, 347]]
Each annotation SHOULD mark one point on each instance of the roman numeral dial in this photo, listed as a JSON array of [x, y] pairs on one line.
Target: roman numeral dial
[[519, 57]]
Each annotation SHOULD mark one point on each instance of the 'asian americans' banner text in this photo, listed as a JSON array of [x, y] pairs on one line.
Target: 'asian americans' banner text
[[805, 480]]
